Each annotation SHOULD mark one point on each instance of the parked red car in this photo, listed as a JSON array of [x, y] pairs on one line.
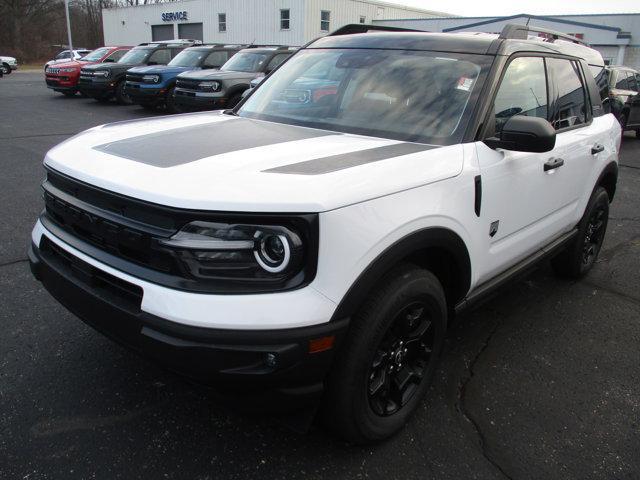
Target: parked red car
[[63, 77]]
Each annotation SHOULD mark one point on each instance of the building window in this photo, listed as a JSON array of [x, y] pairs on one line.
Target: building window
[[363, 19], [222, 22], [284, 19], [325, 20]]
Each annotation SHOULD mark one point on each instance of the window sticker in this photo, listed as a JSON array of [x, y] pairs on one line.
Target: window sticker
[[465, 84]]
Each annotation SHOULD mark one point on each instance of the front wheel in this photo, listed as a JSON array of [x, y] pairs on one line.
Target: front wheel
[[580, 256], [122, 98], [170, 102], [6, 69], [387, 361]]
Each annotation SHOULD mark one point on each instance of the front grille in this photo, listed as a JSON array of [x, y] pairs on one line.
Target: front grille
[[133, 77], [188, 84], [55, 71], [106, 286]]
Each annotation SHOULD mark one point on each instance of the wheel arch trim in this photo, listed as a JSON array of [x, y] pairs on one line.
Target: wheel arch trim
[[420, 240]]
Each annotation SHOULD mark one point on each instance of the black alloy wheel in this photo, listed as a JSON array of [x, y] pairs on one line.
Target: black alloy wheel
[[401, 359], [594, 235]]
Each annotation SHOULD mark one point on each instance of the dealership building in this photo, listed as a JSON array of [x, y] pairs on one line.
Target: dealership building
[[616, 36], [281, 22]]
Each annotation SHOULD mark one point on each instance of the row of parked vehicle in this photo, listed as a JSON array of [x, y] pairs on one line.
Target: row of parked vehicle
[[185, 75], [178, 75]]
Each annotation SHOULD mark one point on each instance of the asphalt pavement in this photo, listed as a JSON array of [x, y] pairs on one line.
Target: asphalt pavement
[[542, 382]]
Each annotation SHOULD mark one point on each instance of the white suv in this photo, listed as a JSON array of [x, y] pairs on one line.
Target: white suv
[[314, 241]]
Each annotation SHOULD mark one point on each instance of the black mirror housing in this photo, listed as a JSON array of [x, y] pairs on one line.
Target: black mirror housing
[[525, 134]]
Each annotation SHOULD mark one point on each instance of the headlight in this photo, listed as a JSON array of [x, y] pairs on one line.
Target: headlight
[[214, 250], [151, 78], [213, 86], [101, 73]]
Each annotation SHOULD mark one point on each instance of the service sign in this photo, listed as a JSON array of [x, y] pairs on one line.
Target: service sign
[[174, 16]]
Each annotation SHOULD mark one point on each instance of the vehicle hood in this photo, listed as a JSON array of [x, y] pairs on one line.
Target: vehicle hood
[[114, 67], [58, 62], [213, 161], [161, 69], [7, 59], [74, 64], [219, 75]]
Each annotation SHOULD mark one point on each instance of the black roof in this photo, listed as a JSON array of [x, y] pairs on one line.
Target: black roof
[[514, 38], [443, 42]]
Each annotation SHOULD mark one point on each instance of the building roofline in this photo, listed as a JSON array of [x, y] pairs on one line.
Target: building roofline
[[536, 17], [496, 17]]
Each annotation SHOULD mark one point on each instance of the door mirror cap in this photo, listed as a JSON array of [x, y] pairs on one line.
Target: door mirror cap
[[525, 134]]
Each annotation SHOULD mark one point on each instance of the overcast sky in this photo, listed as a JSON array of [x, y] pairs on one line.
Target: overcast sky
[[469, 8]]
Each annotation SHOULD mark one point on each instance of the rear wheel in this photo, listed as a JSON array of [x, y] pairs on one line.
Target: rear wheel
[[386, 364], [580, 256], [121, 94]]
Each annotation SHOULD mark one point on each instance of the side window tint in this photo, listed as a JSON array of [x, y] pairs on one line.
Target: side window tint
[[160, 57], [215, 59], [633, 81], [523, 91], [622, 83], [275, 61], [570, 104], [601, 77], [117, 55]]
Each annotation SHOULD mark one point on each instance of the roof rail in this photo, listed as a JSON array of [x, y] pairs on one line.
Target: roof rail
[[353, 28], [514, 31]]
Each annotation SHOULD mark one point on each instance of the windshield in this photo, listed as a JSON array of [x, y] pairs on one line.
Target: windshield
[[188, 58], [136, 55], [245, 62], [95, 55], [405, 95], [63, 54]]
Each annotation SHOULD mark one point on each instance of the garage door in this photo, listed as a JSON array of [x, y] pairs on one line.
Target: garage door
[[190, 30], [161, 32]]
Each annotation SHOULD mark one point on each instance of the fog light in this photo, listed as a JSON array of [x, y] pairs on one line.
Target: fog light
[[271, 360]]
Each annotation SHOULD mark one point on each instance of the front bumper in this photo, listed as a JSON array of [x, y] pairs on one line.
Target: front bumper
[[61, 85], [144, 94], [96, 89], [199, 100], [277, 364]]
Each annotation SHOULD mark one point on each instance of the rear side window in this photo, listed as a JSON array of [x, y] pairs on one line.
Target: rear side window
[[523, 91], [621, 80], [570, 102], [633, 81]]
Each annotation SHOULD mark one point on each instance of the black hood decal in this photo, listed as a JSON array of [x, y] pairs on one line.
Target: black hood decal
[[342, 161], [170, 148]]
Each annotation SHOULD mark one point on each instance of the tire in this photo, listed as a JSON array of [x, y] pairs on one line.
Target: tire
[[623, 122], [6, 69], [170, 102], [121, 97], [638, 133], [580, 256], [363, 403]]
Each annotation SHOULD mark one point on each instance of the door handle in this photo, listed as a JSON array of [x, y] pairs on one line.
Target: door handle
[[597, 148], [553, 163]]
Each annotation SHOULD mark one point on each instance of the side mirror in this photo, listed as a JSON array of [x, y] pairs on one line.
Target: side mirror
[[525, 134]]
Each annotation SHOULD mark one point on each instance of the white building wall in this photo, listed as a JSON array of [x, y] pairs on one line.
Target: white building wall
[[247, 20]]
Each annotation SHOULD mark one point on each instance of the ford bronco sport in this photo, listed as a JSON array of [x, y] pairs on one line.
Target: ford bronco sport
[[105, 81], [315, 245], [224, 88], [63, 77], [153, 86]]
